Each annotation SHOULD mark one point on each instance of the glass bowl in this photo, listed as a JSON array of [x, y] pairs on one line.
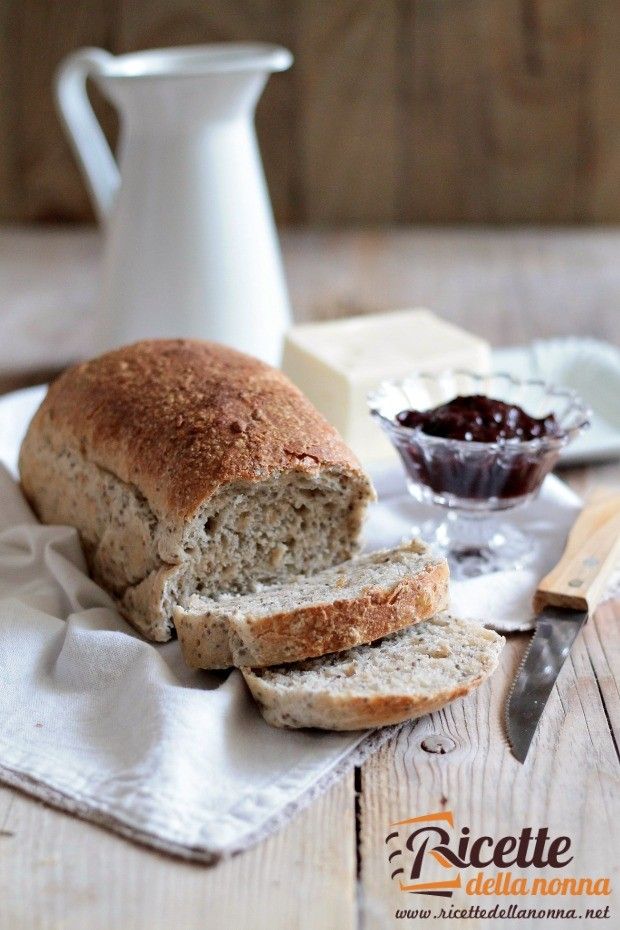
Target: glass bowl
[[474, 481]]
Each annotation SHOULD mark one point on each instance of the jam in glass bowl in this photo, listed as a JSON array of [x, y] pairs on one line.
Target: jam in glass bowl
[[477, 445]]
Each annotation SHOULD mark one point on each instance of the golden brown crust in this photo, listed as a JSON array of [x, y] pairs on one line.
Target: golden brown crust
[[361, 713], [353, 711], [323, 628], [177, 419]]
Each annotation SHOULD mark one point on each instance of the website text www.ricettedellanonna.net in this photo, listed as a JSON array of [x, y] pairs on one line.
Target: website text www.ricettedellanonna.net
[[501, 912]]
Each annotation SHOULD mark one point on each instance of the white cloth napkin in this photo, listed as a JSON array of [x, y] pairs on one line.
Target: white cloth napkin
[[98, 721]]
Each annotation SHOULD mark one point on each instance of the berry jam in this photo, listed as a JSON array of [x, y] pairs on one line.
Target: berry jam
[[501, 472], [478, 418]]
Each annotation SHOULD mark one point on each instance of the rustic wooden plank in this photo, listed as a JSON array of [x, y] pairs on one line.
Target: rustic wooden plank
[[48, 279], [500, 123], [347, 73], [47, 185], [601, 202], [444, 112], [569, 783], [58, 872], [406, 110], [511, 286], [542, 132], [9, 178], [603, 645]]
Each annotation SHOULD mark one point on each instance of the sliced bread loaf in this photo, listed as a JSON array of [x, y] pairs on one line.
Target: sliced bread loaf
[[188, 467], [355, 602], [408, 674]]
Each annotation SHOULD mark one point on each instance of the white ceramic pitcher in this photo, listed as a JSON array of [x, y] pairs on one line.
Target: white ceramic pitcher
[[191, 246]]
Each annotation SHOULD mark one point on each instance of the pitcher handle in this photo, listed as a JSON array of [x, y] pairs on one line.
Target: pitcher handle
[[88, 141]]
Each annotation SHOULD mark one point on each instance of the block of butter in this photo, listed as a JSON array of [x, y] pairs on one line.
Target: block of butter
[[337, 363]]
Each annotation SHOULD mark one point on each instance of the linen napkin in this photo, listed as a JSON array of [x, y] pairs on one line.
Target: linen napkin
[[99, 722], [95, 720]]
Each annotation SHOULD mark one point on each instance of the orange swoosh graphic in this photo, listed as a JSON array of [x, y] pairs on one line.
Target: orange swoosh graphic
[[428, 886], [439, 815]]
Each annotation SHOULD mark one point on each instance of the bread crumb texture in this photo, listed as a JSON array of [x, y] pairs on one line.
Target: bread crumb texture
[[402, 676], [357, 601]]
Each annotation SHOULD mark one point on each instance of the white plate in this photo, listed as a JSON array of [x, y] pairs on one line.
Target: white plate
[[591, 368], [16, 411]]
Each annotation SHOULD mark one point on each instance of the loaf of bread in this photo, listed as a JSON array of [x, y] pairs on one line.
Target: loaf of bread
[[190, 468], [406, 675], [355, 602]]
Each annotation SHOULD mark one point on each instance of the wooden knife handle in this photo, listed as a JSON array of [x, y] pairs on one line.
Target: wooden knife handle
[[592, 551]]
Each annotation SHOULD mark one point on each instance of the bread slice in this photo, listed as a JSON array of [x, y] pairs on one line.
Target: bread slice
[[355, 602], [408, 674]]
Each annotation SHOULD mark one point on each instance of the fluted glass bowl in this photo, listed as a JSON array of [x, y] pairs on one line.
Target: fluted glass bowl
[[474, 480]]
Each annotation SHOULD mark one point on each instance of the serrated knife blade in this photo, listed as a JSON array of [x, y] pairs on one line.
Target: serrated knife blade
[[563, 600], [556, 631]]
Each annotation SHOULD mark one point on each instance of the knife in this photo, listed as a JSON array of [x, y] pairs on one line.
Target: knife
[[563, 600]]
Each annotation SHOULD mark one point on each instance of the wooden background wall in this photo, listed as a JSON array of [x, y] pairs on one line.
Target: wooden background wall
[[395, 111]]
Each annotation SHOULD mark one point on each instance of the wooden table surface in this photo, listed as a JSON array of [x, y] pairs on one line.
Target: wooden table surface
[[327, 869]]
